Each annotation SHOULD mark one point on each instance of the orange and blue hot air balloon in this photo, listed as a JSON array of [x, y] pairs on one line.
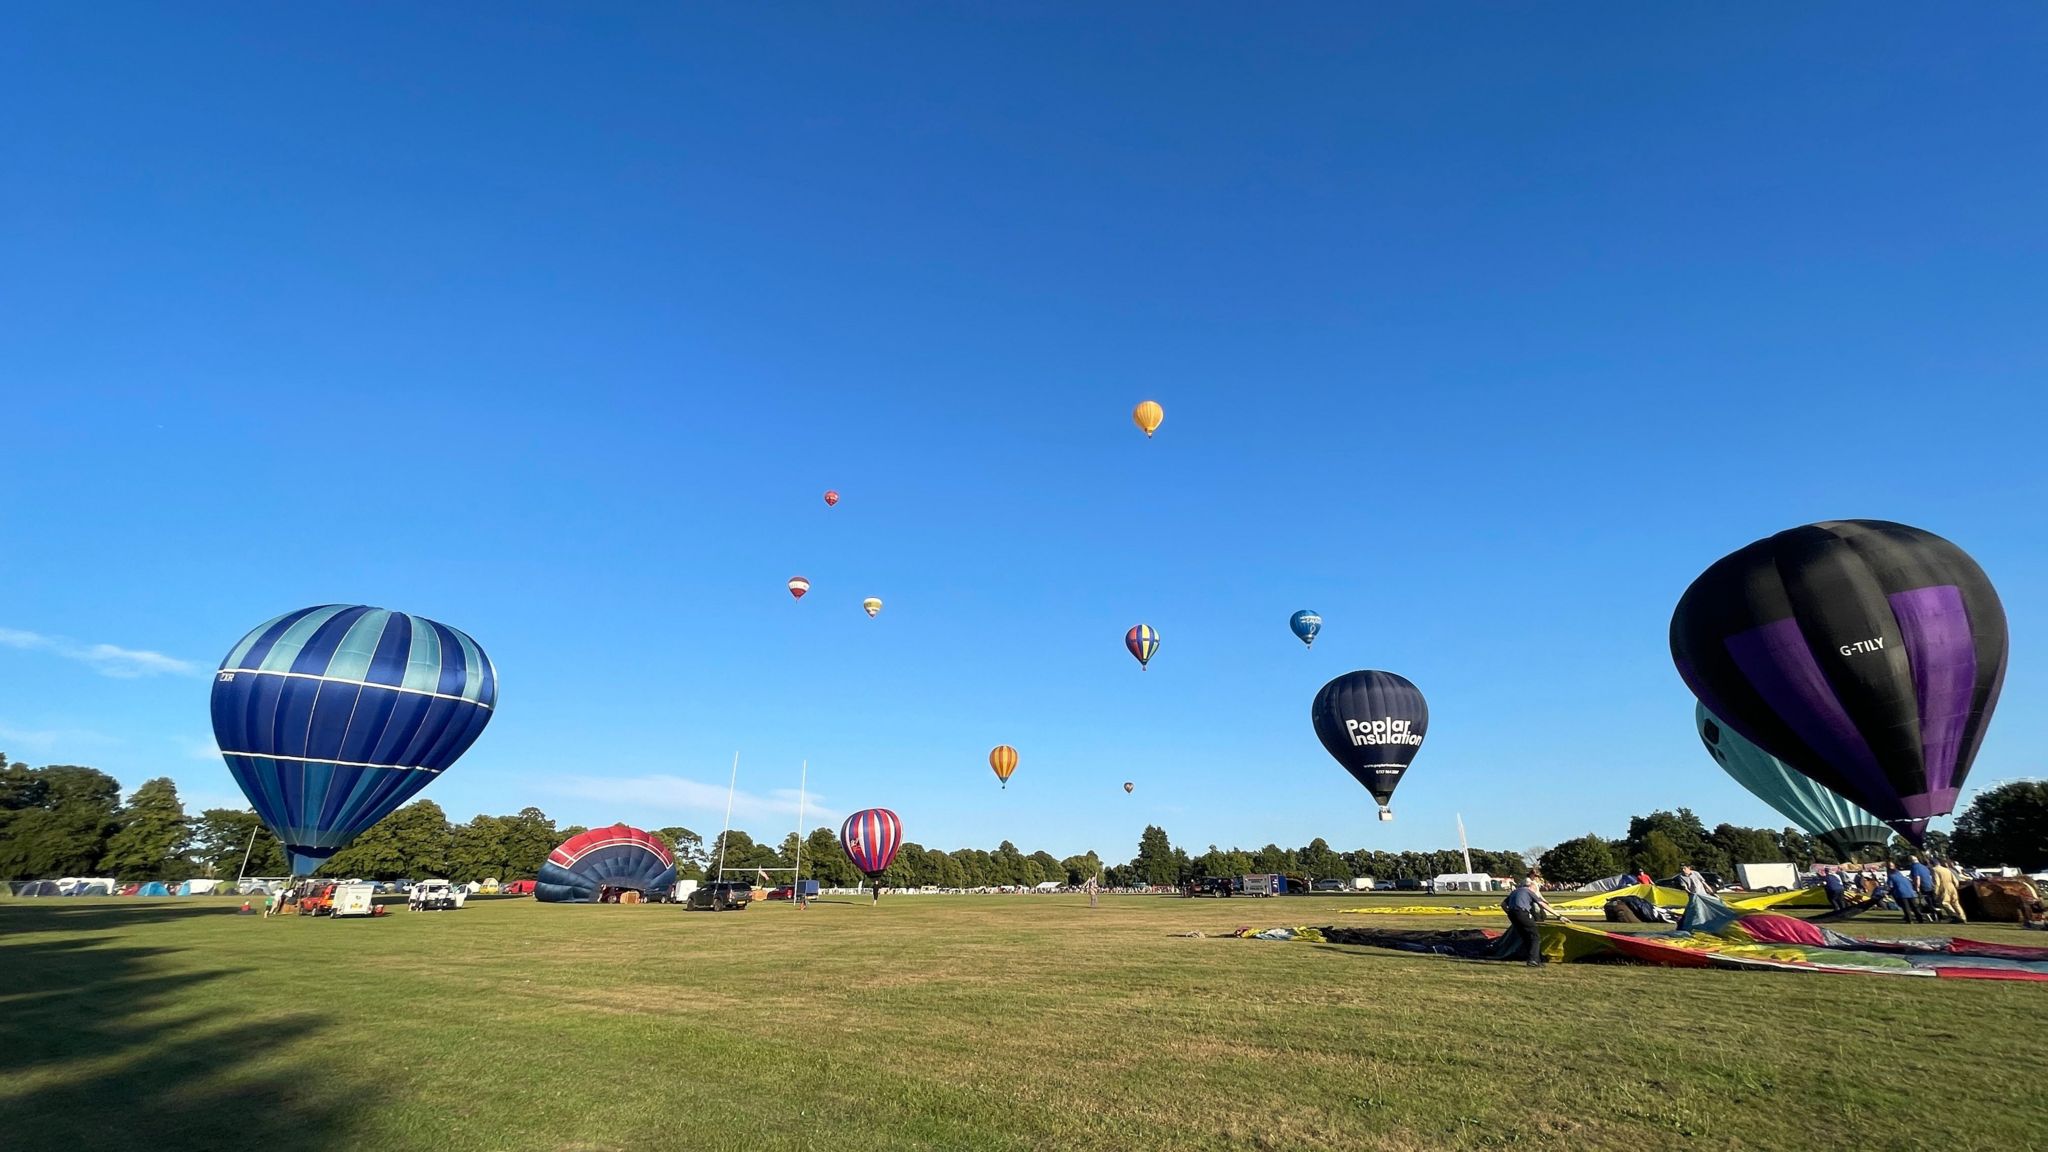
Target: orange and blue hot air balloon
[[1143, 641], [871, 837], [619, 858], [1003, 759], [331, 717]]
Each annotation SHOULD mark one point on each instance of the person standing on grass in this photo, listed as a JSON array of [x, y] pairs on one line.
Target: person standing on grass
[[1948, 894], [1693, 883], [1522, 907], [1923, 879], [1838, 898], [1905, 893]]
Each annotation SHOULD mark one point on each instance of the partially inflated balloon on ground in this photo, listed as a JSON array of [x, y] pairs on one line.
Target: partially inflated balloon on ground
[[620, 857], [331, 717], [1864, 654], [1372, 723]]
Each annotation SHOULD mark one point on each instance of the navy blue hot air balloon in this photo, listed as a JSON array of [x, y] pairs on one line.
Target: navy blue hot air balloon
[[331, 717], [592, 866], [1372, 723], [1306, 624]]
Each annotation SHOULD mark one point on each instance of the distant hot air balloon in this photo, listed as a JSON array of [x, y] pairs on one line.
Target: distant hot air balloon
[[1003, 759], [1847, 829], [619, 858], [1373, 724], [798, 586], [872, 606], [1147, 416], [1128, 786], [331, 717], [1865, 654], [831, 498], [1306, 624], [1143, 641], [871, 837]]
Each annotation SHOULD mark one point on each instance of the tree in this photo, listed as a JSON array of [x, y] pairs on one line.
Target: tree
[[1081, 869], [1218, 863], [1579, 861], [688, 848], [825, 860], [413, 842], [1660, 855], [1155, 863], [221, 837], [1321, 861], [1684, 832], [55, 820], [2007, 825], [1747, 846]]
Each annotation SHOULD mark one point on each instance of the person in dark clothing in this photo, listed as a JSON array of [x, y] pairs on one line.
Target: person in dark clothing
[[1522, 906], [1923, 879], [1837, 889], [1905, 893]]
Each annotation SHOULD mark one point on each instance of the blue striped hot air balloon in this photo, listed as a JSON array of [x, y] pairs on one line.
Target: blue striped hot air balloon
[[331, 717]]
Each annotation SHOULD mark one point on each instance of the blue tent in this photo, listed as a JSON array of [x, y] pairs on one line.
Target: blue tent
[[153, 888]]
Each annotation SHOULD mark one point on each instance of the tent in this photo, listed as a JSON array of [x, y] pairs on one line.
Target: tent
[[154, 888], [38, 888], [94, 888], [198, 887]]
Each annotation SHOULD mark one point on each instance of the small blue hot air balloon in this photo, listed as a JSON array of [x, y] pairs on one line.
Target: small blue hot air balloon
[[1306, 624], [331, 717]]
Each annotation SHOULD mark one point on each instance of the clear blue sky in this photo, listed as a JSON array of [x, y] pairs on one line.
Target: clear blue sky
[[1479, 330]]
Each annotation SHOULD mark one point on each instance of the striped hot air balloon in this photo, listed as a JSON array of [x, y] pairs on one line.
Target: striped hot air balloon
[[590, 865], [1147, 416], [331, 717], [871, 837], [1143, 641], [1003, 759], [798, 586]]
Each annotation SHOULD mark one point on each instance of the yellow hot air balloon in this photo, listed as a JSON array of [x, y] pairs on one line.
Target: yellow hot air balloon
[[1148, 414], [1003, 759], [872, 606]]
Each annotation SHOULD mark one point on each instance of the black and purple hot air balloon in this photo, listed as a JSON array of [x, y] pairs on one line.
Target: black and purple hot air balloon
[[1865, 654]]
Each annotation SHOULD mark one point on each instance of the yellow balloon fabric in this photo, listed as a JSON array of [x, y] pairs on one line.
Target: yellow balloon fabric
[[1003, 759], [1148, 415]]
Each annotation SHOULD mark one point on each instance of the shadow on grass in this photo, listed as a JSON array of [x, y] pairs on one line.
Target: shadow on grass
[[103, 1048], [20, 917]]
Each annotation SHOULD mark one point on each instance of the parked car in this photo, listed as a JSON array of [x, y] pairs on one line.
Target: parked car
[[1332, 886], [721, 896], [1383, 885], [1211, 886]]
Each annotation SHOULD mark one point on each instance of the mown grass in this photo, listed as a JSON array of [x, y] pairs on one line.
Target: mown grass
[[954, 1022]]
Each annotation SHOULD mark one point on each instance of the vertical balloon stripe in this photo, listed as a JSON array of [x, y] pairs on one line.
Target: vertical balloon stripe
[[1779, 664], [1938, 640], [358, 647], [249, 653], [423, 663]]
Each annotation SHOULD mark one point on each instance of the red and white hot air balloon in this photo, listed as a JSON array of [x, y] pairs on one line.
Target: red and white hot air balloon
[[798, 586], [831, 498]]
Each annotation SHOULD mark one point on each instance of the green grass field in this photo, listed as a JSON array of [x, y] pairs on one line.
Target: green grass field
[[953, 1022]]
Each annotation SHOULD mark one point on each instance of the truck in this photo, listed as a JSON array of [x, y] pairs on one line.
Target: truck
[[1768, 877]]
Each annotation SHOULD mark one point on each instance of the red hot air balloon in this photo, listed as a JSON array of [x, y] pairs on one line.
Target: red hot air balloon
[[871, 837], [831, 498], [798, 586]]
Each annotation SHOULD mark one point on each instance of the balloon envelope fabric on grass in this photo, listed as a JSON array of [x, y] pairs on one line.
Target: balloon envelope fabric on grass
[[331, 717], [620, 856]]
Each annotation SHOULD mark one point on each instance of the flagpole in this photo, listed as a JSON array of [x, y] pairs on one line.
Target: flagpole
[[726, 836], [796, 887], [245, 855]]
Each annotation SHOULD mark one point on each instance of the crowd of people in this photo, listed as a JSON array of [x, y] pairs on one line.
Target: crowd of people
[[1924, 891]]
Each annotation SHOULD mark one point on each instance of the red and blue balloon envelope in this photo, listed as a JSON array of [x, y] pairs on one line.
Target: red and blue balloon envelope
[[620, 858], [1866, 655], [871, 837], [331, 717], [1143, 641], [1372, 723]]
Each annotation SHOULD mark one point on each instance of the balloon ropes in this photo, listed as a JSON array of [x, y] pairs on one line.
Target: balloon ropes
[[1863, 654], [604, 863], [1003, 759], [1305, 624], [1372, 723], [1821, 814], [1143, 641], [331, 717]]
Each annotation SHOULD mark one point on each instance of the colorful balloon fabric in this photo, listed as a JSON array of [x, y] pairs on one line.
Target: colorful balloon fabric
[[620, 857], [831, 499], [1850, 831], [1865, 654], [1003, 759], [331, 717], [1147, 416], [1143, 641], [1372, 723], [798, 586], [1305, 625], [872, 606], [871, 837]]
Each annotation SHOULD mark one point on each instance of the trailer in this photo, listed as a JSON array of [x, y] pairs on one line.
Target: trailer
[[353, 900], [1768, 877], [1269, 884]]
